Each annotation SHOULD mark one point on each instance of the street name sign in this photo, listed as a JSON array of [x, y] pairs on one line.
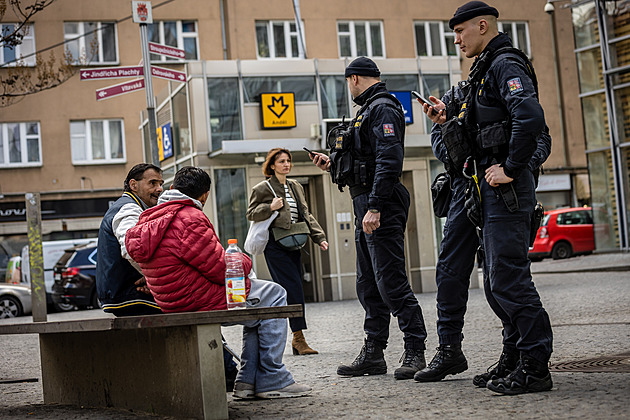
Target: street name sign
[[168, 74], [166, 50], [119, 89], [111, 72]]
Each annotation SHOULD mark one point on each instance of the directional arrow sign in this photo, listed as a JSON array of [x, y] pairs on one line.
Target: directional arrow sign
[[111, 72], [166, 50], [119, 89], [278, 110], [168, 74]]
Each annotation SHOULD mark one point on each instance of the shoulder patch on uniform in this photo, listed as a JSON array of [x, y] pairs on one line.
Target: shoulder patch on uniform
[[515, 85], [388, 129]]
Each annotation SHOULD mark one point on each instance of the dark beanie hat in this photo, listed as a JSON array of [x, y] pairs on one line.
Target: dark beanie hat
[[470, 10], [362, 66]]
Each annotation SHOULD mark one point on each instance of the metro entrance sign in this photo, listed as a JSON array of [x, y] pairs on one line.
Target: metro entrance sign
[[119, 89], [166, 50]]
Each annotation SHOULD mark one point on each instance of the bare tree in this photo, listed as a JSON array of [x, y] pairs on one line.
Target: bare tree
[[18, 80]]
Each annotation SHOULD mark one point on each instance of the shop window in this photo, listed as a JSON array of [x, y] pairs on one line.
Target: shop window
[[20, 144], [97, 141], [302, 86], [361, 38], [225, 110], [434, 39], [12, 54], [182, 141], [277, 39], [91, 42], [180, 34], [335, 97], [232, 203]]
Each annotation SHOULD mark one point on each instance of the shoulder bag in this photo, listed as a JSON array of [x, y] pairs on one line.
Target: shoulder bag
[[258, 234], [296, 236]]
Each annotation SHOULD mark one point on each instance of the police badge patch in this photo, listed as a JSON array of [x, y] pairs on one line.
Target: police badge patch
[[515, 85], [388, 129]]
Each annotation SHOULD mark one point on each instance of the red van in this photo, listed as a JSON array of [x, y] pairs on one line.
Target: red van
[[564, 233]]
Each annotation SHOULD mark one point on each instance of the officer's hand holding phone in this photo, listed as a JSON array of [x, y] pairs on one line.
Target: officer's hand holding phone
[[432, 109], [319, 159]]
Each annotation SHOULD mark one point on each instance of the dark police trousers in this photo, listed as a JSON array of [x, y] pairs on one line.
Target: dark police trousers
[[455, 264], [508, 283], [382, 285]]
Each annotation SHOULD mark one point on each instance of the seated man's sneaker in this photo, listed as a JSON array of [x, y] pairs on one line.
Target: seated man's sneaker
[[291, 391], [530, 375], [412, 361], [506, 364], [370, 361], [243, 390], [448, 360]]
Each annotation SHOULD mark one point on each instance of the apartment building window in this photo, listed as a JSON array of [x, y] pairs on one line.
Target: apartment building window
[[20, 144], [361, 38], [434, 39], [518, 33], [277, 39], [180, 34], [93, 42], [97, 141], [302, 86], [13, 54]]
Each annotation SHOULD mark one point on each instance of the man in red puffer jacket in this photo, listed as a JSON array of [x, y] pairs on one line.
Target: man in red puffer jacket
[[183, 263]]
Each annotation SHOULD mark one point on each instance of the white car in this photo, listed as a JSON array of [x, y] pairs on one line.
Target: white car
[[15, 300]]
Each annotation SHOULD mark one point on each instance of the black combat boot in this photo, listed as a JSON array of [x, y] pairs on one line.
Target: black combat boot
[[449, 360], [412, 361], [506, 364], [370, 361], [530, 375]]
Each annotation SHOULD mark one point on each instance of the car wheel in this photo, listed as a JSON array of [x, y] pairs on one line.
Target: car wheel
[[10, 307], [561, 250], [63, 307]]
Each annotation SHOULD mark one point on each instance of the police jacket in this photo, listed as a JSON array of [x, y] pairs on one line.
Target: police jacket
[[506, 96], [543, 143], [115, 276], [379, 133]]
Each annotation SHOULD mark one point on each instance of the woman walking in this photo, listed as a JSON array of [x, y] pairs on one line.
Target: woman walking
[[285, 264]]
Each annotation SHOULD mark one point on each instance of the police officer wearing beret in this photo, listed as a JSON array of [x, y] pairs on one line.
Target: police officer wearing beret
[[374, 144], [502, 120]]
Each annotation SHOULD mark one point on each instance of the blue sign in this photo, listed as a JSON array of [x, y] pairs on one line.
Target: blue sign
[[405, 99], [167, 141]]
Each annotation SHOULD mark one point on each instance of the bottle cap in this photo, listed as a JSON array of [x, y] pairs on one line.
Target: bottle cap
[[232, 241]]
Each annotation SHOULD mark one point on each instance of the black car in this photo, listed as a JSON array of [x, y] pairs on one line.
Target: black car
[[75, 277]]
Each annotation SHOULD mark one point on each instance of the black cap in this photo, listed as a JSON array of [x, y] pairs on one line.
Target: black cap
[[470, 10], [362, 66]]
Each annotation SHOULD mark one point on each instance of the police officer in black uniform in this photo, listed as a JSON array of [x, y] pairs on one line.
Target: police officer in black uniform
[[499, 123], [367, 157]]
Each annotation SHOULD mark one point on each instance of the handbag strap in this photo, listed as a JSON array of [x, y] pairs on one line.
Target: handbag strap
[[271, 188]]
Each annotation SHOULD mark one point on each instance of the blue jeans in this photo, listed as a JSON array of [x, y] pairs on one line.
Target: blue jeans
[[264, 341]]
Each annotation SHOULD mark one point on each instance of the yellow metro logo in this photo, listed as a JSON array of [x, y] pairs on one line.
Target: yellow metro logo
[[278, 110]]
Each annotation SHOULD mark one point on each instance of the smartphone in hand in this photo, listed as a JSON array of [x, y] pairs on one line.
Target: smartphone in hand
[[425, 101], [310, 152]]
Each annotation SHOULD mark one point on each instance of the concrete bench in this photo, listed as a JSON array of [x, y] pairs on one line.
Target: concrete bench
[[170, 364]]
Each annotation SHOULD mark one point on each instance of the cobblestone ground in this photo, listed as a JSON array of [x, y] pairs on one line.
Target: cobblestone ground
[[589, 311]]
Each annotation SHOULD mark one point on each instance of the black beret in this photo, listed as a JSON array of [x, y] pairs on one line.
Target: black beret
[[470, 10], [362, 66]]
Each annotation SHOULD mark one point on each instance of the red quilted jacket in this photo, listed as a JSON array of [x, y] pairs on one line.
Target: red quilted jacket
[[181, 257]]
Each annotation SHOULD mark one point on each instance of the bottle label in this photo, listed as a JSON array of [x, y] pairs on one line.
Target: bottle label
[[235, 289]]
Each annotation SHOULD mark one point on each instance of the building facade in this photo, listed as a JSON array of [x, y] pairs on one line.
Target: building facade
[[76, 150]]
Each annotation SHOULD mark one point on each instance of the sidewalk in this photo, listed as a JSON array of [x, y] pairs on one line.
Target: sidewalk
[[590, 313]]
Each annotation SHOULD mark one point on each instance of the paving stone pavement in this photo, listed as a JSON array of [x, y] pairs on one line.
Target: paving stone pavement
[[590, 313]]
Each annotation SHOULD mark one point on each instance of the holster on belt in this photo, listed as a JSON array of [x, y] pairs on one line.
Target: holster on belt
[[537, 217]]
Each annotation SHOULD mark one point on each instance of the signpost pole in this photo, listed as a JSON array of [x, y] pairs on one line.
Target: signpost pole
[[35, 255], [148, 87]]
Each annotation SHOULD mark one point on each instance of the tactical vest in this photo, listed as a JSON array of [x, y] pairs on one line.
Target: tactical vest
[[352, 162]]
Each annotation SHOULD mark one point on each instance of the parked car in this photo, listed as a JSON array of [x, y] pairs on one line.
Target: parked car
[[15, 300], [564, 233], [51, 251], [75, 278]]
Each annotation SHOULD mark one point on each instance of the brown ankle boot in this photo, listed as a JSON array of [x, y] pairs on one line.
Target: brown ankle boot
[[299, 344]]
